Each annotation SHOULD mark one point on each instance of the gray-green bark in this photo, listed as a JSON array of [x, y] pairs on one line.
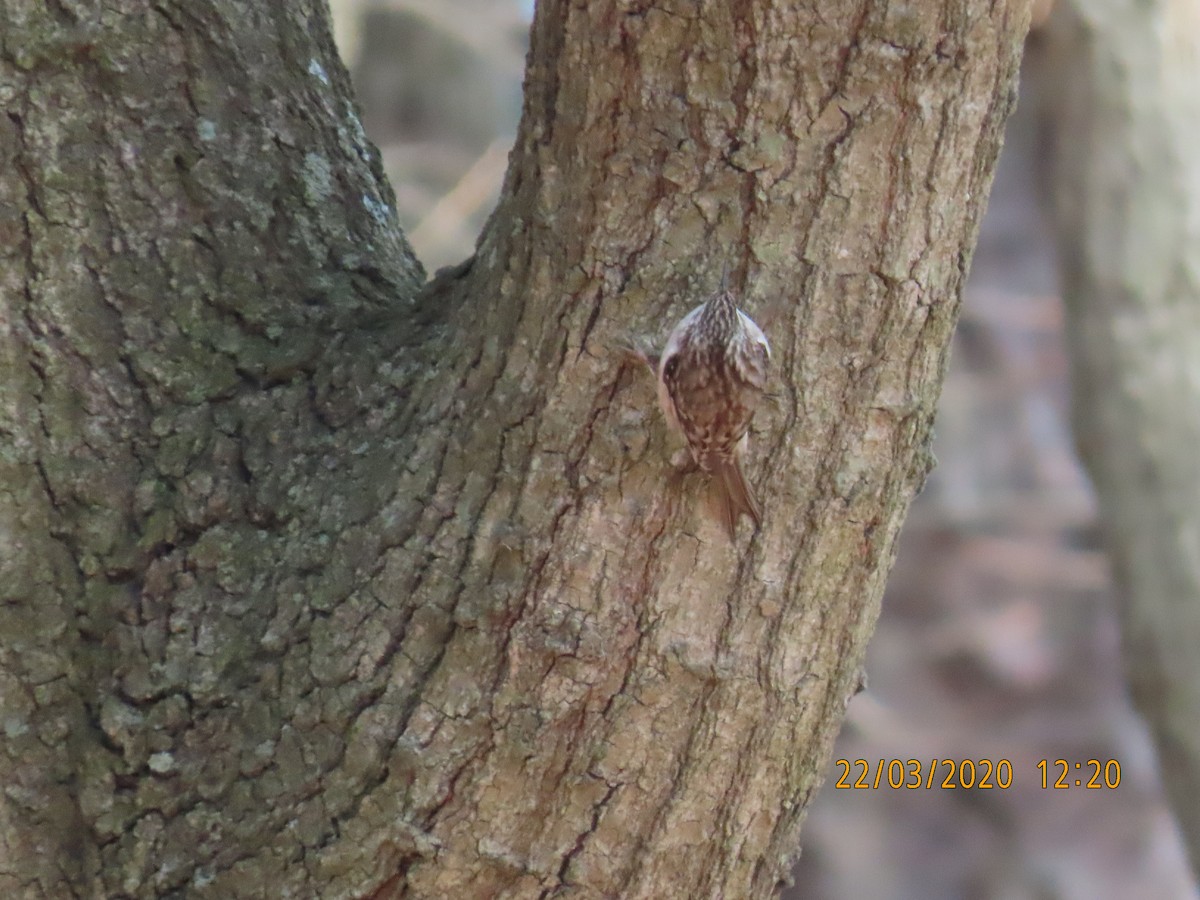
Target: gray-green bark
[[320, 583], [1128, 184]]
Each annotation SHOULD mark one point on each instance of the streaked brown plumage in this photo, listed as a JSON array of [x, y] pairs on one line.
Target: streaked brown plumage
[[711, 377]]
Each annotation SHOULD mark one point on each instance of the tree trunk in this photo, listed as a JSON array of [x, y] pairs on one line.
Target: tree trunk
[[320, 583], [1128, 185]]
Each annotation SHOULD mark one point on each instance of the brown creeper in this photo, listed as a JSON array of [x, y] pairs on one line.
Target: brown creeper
[[711, 376]]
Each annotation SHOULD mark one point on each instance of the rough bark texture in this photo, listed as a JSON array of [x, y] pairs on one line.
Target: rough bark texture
[[317, 583], [1128, 179]]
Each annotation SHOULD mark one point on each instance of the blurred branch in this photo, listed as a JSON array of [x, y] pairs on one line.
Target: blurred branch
[[446, 223], [482, 29]]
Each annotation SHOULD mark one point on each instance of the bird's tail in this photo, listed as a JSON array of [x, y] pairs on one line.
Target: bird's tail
[[734, 496]]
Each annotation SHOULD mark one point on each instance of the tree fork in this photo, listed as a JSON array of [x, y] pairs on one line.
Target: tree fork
[[318, 582]]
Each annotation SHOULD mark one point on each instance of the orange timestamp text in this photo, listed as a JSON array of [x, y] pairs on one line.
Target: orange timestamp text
[[1092, 774], [949, 774], [924, 774]]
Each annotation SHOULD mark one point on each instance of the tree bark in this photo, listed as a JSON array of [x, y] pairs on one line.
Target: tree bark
[[1128, 188], [318, 582]]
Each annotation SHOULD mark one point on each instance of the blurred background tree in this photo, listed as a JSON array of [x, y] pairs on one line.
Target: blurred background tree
[[999, 636], [1127, 181]]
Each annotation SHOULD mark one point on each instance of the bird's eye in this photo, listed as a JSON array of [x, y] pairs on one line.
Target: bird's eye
[[671, 367]]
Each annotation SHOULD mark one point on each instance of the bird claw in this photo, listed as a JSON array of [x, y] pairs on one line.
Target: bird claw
[[637, 348]]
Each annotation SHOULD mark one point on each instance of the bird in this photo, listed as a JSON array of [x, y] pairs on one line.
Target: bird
[[711, 376]]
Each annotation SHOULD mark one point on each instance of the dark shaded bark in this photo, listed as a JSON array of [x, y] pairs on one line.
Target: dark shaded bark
[[321, 583]]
